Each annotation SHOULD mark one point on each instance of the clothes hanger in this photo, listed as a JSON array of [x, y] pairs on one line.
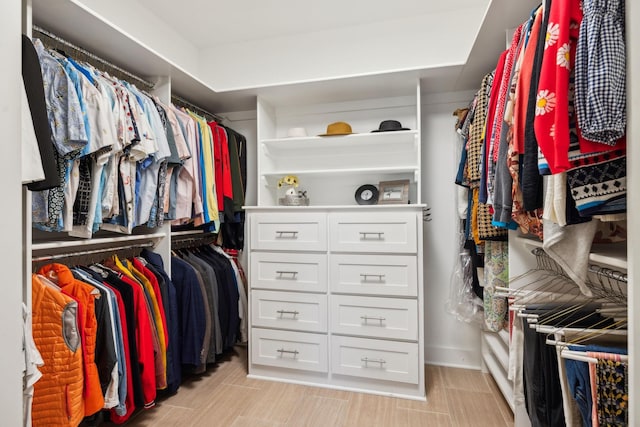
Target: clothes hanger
[[620, 325], [548, 287], [567, 353], [559, 307], [532, 277], [580, 356], [551, 292], [49, 282], [590, 332], [613, 301]]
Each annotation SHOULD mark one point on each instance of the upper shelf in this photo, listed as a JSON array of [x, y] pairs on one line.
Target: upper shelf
[[340, 140], [408, 169], [85, 27], [388, 152], [80, 25]]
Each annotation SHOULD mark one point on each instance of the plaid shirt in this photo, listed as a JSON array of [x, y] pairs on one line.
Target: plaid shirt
[[600, 76]]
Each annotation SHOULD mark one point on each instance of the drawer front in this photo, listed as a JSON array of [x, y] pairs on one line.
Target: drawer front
[[289, 271], [394, 275], [289, 231], [289, 310], [295, 350], [374, 317], [393, 232], [382, 360]]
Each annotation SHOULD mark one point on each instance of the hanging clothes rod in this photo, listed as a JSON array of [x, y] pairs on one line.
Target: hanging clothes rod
[[184, 103], [91, 252], [59, 39], [190, 241], [192, 237], [608, 273], [582, 357]]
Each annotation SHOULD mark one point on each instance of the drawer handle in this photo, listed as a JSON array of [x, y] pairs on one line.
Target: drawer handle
[[292, 274], [377, 319], [366, 361], [366, 276], [286, 234], [282, 351], [294, 313], [364, 235]]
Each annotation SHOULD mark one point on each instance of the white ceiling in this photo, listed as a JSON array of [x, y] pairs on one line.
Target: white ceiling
[[206, 23], [220, 55]]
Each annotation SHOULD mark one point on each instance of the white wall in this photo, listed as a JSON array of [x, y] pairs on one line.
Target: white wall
[[11, 216], [422, 41], [245, 123], [447, 340]]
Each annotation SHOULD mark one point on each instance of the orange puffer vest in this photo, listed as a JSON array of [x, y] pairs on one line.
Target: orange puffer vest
[[86, 295], [57, 396]]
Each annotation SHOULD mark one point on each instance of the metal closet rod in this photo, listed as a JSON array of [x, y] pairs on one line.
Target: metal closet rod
[[57, 38], [609, 273], [90, 252], [183, 102], [181, 243]]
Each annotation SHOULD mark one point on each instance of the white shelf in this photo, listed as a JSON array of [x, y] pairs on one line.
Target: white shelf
[[496, 359], [390, 152], [331, 168], [496, 345], [504, 384], [339, 140], [504, 335], [75, 22], [95, 242], [350, 171], [612, 255], [334, 207]]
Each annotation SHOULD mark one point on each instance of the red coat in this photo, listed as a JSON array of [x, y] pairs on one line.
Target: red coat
[[224, 188]]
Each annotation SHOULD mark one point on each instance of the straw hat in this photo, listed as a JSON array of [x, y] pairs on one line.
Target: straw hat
[[338, 128]]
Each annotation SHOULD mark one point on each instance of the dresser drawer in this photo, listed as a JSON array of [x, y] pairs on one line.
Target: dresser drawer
[[394, 275], [289, 310], [305, 231], [393, 232], [374, 317], [295, 350], [289, 271], [379, 359]]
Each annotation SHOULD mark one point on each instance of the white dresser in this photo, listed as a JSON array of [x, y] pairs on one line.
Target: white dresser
[[336, 288], [335, 297]]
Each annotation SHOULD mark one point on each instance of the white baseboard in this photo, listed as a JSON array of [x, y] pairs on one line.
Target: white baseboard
[[453, 357]]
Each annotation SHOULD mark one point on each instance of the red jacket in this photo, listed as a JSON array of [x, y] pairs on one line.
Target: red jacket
[[224, 188]]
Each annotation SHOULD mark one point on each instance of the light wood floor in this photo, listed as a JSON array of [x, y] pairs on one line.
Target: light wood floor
[[224, 396]]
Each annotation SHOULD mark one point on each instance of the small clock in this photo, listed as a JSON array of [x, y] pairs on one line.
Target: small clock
[[367, 195]]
